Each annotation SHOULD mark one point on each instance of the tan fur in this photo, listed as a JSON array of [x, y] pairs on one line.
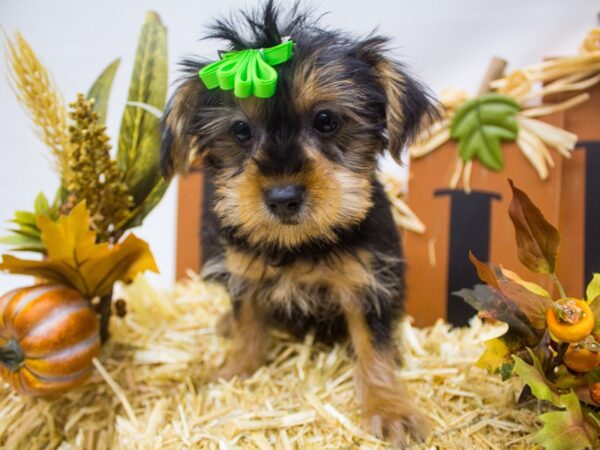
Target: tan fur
[[386, 406], [184, 146], [393, 84], [336, 197], [250, 341], [295, 285], [314, 85]]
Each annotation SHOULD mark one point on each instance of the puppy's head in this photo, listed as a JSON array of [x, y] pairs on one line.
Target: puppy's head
[[296, 167]]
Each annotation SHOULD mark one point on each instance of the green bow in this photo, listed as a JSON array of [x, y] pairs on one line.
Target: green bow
[[247, 72]]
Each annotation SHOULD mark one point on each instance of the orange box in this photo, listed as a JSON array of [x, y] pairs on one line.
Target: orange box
[[437, 261]]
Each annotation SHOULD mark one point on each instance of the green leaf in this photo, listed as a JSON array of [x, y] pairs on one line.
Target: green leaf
[[25, 218], [591, 417], [480, 125], [595, 307], [27, 230], [537, 239], [534, 377], [59, 199], [148, 108], [100, 90], [593, 289], [21, 242], [566, 429], [41, 206], [139, 137], [138, 215], [27, 235]]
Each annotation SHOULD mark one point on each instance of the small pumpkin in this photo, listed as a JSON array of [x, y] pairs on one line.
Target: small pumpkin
[[48, 338]]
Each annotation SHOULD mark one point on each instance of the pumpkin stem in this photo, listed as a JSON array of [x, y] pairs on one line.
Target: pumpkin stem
[[11, 355]]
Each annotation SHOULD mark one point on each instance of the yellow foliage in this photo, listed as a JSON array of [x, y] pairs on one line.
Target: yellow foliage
[[76, 260], [529, 285]]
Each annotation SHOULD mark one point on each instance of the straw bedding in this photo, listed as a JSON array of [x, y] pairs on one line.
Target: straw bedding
[[154, 388]]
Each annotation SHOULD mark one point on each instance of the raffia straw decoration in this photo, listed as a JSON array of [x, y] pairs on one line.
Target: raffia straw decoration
[[38, 94], [157, 390], [403, 215], [559, 75]]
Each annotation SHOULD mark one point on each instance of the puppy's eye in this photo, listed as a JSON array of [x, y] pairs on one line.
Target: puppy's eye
[[241, 131], [326, 122]]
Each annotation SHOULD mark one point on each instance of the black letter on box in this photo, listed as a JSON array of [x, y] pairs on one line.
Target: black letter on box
[[592, 209], [470, 219]]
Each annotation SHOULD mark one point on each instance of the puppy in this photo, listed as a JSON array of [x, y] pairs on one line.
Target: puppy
[[297, 225]]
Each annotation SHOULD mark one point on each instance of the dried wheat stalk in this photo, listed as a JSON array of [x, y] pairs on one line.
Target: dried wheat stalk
[[40, 97]]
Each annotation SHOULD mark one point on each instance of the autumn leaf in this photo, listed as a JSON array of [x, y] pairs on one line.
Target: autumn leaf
[[480, 125], [532, 305], [497, 356], [76, 260], [485, 272], [70, 239], [498, 306], [529, 285], [537, 239]]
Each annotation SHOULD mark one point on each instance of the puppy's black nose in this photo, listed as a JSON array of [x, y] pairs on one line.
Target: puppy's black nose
[[285, 201]]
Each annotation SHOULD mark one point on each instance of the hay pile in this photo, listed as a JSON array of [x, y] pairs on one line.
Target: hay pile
[[154, 389]]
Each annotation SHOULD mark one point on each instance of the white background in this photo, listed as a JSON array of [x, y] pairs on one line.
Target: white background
[[446, 42]]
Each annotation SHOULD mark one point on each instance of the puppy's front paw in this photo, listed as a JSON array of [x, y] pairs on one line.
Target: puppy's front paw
[[237, 365], [394, 419]]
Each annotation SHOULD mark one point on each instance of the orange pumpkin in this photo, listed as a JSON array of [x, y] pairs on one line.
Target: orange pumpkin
[[48, 338]]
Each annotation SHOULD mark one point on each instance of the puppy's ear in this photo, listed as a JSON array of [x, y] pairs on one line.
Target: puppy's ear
[[178, 142], [408, 103]]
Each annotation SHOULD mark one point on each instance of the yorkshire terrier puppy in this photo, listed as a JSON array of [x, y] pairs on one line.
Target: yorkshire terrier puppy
[[296, 224]]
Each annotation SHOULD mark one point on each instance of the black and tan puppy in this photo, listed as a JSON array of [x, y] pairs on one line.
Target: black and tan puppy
[[298, 227]]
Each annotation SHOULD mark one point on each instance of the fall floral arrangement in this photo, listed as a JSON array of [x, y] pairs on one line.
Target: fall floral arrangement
[[552, 344], [50, 332]]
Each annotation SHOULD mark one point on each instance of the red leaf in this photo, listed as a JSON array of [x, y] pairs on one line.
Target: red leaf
[[485, 272]]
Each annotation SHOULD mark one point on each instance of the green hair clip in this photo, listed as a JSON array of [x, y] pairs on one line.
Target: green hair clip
[[247, 72]]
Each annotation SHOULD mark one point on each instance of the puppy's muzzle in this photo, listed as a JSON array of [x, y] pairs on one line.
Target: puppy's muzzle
[[285, 201]]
